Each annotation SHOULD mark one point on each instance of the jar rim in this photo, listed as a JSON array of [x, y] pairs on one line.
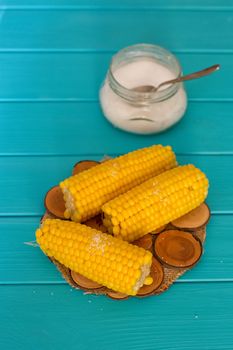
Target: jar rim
[[144, 50]]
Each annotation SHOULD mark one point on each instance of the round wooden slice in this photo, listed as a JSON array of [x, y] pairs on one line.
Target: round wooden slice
[[83, 165], [145, 242], [84, 282], [158, 230], [194, 219], [157, 274], [178, 248], [54, 202], [116, 295]]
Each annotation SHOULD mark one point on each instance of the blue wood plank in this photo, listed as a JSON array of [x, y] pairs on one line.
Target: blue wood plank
[[45, 76], [100, 29], [186, 317], [160, 4], [23, 264], [38, 128], [25, 180]]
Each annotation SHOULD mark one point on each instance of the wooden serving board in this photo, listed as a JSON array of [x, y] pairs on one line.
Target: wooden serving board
[[170, 274], [164, 275]]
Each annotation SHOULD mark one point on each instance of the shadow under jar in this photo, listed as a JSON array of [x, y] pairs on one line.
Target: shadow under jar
[[143, 112]]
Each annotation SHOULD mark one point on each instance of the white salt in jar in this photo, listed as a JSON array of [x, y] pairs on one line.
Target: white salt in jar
[[140, 112]]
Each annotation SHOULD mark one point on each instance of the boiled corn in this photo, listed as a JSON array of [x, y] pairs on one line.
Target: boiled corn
[[156, 202], [100, 257], [86, 192]]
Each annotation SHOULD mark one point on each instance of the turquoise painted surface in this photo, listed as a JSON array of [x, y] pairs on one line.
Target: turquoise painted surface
[[188, 316], [206, 128], [53, 58], [68, 76], [93, 4], [110, 30]]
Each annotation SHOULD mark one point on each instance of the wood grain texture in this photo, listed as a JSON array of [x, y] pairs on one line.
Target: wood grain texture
[[56, 317], [43, 76], [24, 264], [55, 29], [25, 180]]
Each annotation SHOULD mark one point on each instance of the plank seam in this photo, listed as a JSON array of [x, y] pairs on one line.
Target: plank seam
[[116, 8], [95, 100], [78, 155], [39, 215], [185, 281], [106, 51]]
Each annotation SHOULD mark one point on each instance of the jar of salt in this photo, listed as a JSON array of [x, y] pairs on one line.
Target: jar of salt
[[143, 112]]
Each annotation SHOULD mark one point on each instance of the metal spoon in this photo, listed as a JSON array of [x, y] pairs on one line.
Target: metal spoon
[[195, 75]]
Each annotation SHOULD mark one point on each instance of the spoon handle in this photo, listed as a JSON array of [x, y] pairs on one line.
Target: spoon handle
[[191, 76]]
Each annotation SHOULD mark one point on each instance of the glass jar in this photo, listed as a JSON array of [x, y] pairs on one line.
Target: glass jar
[[143, 112]]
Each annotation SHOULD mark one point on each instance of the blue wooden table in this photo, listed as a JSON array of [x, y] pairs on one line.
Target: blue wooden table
[[53, 56]]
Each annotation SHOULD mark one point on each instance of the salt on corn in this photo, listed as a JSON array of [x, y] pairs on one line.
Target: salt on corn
[[86, 192], [100, 257], [155, 202]]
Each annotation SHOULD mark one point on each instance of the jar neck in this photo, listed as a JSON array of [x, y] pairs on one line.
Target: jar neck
[[138, 52], [141, 98]]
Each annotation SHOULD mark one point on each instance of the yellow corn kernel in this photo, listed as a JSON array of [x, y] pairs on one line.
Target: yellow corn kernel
[[86, 192], [98, 256], [148, 281], [157, 201]]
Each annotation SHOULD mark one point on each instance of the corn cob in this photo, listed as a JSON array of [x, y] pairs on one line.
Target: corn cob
[[156, 202], [86, 192], [98, 256]]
